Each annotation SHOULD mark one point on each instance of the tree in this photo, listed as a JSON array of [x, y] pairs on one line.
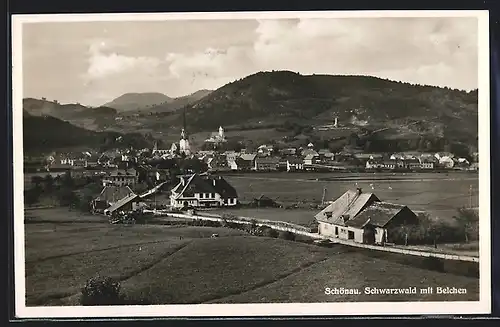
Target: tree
[[289, 236], [67, 181], [37, 181], [49, 182], [468, 219]]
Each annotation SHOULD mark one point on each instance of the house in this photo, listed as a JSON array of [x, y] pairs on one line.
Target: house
[[374, 164], [266, 163], [80, 163], [441, 155], [294, 164], [368, 156], [289, 151], [446, 162], [332, 219], [231, 155], [203, 191], [412, 164], [121, 178], [427, 162], [363, 218], [246, 161], [265, 150], [264, 201], [129, 203], [462, 163], [311, 159], [307, 152], [325, 155], [373, 224], [109, 196]]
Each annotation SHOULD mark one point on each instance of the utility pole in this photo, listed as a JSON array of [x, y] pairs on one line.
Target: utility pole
[[470, 196], [323, 197]]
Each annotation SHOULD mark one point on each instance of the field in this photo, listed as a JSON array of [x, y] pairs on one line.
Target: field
[[438, 194], [165, 265]]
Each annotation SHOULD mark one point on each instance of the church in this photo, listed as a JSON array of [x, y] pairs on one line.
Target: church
[[217, 137], [181, 147]]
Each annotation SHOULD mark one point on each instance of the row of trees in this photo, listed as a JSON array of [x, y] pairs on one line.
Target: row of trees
[[64, 189], [464, 228]]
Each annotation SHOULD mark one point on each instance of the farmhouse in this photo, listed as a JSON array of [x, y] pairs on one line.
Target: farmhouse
[[266, 163], [412, 164], [311, 159], [197, 191], [120, 178], [372, 224], [362, 217], [109, 196], [294, 164], [129, 203], [427, 162], [347, 206]]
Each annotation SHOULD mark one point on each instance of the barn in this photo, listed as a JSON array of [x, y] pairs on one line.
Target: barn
[[371, 225], [362, 218]]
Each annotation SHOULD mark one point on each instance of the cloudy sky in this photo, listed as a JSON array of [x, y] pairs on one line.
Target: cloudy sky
[[94, 62]]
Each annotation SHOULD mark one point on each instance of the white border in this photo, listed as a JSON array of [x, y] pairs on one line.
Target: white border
[[254, 310]]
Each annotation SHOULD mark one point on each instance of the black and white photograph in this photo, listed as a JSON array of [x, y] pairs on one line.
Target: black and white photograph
[[251, 164]]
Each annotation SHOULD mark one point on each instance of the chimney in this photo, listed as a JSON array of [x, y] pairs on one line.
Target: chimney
[[359, 190]]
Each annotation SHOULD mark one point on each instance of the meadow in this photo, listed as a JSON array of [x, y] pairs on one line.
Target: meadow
[[167, 264], [440, 195]]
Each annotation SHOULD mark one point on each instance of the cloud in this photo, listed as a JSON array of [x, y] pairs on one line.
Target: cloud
[[103, 63]]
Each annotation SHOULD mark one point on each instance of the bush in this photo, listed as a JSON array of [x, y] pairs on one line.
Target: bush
[[100, 291], [428, 231], [271, 233], [289, 236]]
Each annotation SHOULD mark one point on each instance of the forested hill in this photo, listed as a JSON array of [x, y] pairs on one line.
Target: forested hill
[[47, 133], [282, 96]]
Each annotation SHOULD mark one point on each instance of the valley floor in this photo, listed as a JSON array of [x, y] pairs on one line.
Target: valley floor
[[168, 265]]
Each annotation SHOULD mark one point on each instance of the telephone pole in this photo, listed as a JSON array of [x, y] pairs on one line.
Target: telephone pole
[[323, 197], [470, 196]]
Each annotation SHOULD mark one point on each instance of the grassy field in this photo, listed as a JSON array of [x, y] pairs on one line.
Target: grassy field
[[184, 265], [438, 194]]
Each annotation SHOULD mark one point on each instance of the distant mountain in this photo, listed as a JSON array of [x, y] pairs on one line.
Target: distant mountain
[[44, 132], [86, 117], [369, 102], [138, 101], [180, 102]]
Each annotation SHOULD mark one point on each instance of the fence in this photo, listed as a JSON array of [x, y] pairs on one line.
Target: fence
[[300, 230]]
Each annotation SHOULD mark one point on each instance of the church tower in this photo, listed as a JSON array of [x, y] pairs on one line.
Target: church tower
[[221, 132], [184, 146]]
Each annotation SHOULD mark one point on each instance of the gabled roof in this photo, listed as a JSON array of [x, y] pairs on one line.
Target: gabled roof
[[378, 214], [153, 190], [269, 160], [122, 202], [248, 156], [223, 187], [350, 204], [307, 152], [189, 185], [294, 160], [114, 193], [310, 156]]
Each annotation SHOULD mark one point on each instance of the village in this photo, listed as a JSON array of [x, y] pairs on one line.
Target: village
[[179, 179]]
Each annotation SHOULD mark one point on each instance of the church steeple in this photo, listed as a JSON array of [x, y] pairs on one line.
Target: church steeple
[[184, 129]]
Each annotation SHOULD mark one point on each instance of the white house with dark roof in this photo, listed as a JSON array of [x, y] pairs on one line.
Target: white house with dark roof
[[203, 191], [362, 217]]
